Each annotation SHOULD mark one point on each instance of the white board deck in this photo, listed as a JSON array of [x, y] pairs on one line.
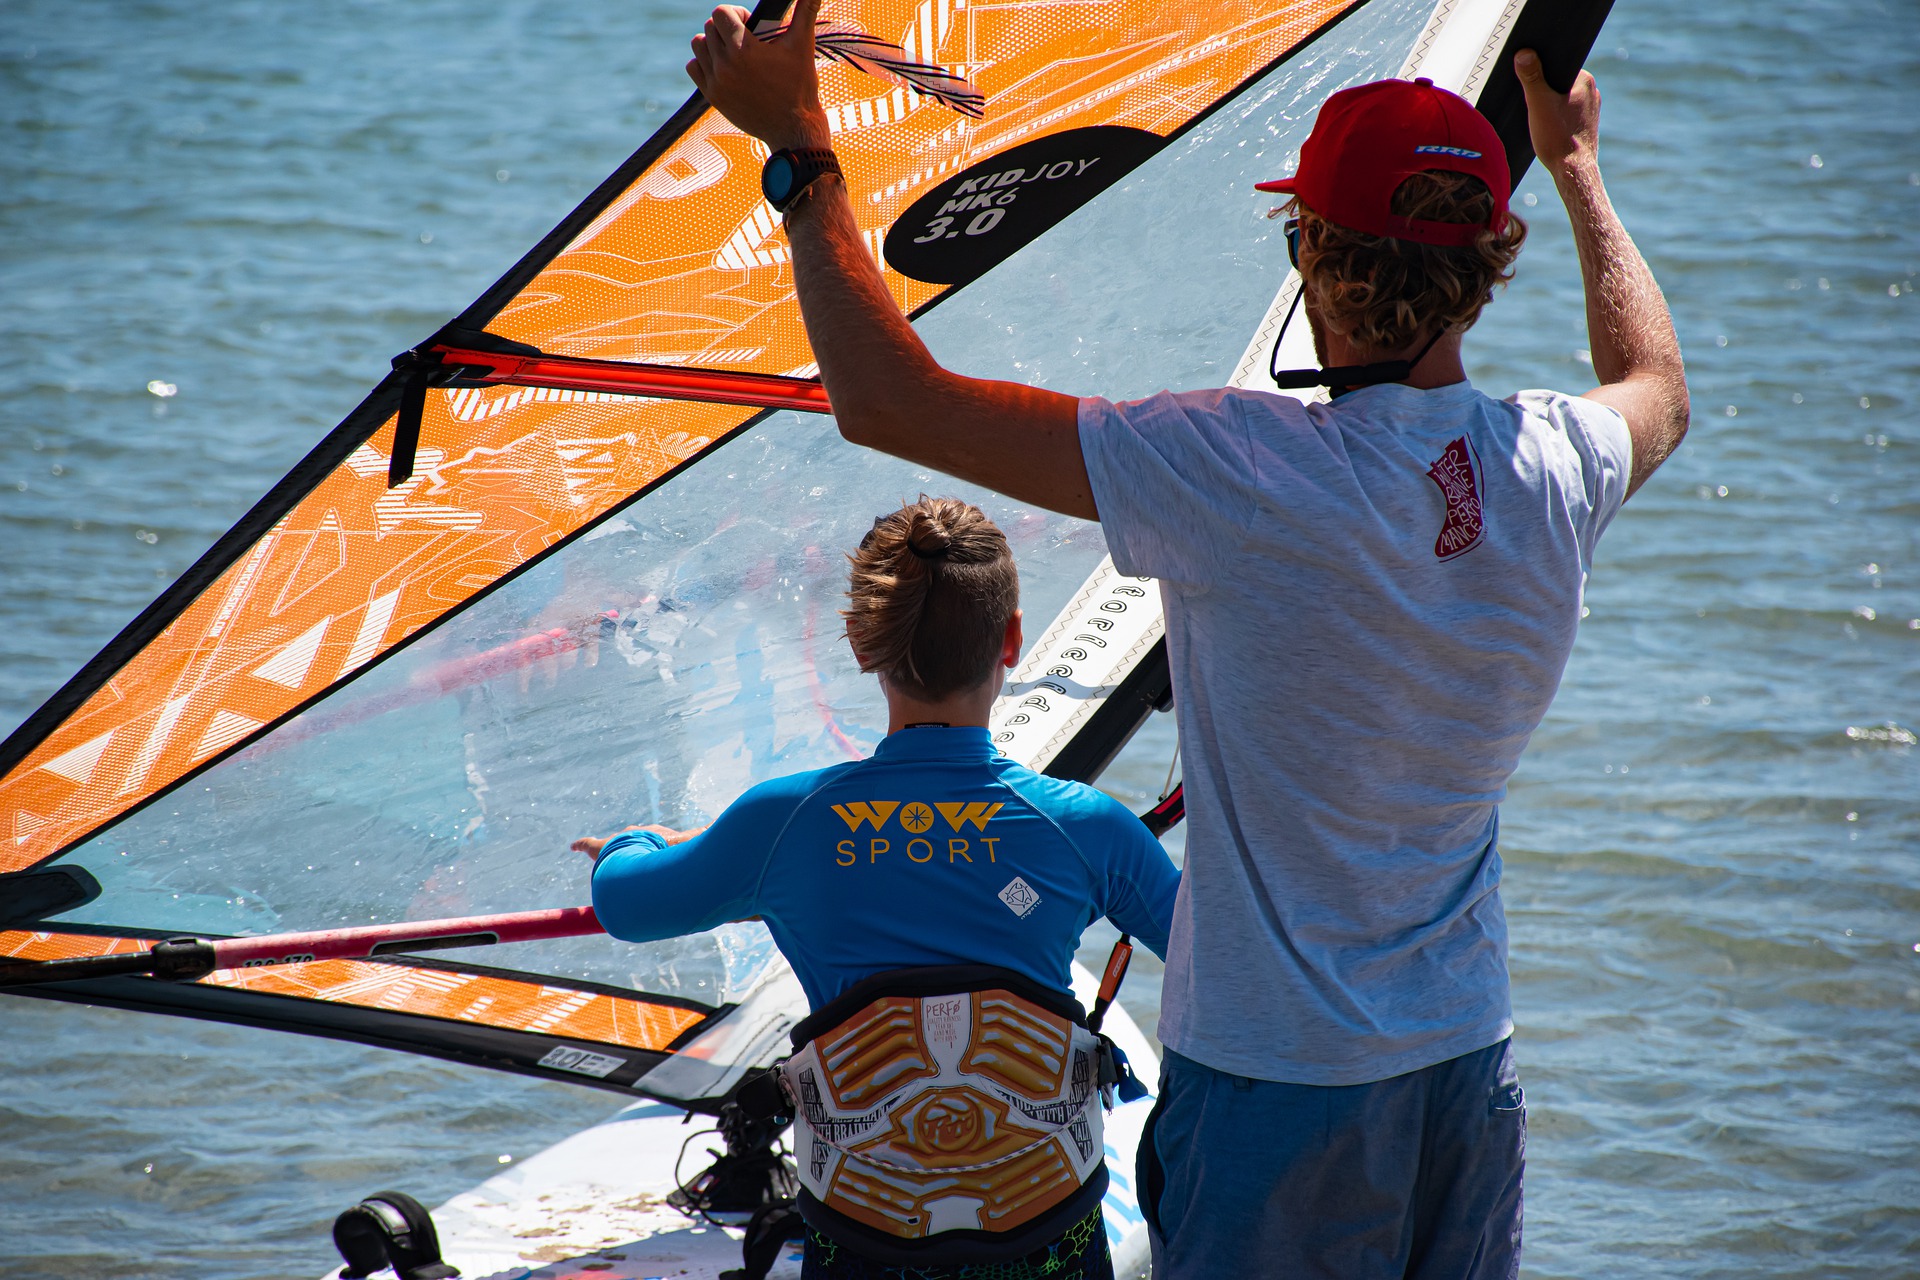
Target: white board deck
[[593, 1206]]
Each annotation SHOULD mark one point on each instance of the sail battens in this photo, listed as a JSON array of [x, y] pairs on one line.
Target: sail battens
[[627, 378]]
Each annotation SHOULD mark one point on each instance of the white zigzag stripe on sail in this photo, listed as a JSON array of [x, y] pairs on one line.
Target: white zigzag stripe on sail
[[1106, 628]]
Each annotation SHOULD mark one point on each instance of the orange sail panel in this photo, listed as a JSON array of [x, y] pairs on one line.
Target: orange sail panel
[[689, 266], [353, 569], [683, 266], [513, 1004]]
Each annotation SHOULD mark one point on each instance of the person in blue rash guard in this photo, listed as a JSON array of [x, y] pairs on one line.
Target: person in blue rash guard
[[936, 851]]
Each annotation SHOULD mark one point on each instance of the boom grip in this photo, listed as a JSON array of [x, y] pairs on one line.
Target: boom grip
[[175, 960], [27, 973]]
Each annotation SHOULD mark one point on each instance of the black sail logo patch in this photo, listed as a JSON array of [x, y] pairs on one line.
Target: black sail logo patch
[[981, 216]]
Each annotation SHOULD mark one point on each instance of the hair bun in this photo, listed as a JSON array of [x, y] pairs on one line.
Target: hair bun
[[928, 539], [931, 591]]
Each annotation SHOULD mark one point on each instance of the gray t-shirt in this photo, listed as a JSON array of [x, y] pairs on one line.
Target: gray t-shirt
[[1369, 605]]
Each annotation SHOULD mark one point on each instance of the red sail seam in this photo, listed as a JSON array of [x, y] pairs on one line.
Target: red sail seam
[[620, 377]]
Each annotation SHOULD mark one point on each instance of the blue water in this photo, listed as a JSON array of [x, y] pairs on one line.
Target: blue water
[[1713, 846]]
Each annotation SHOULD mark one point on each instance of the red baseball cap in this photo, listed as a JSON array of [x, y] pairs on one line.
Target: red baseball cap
[[1371, 138]]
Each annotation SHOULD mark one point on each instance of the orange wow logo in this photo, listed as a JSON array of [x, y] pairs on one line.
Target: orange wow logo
[[916, 816], [919, 820]]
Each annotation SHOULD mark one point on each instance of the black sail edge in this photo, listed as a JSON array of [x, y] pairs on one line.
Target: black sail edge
[[508, 286], [320, 463], [1563, 36], [1147, 688]]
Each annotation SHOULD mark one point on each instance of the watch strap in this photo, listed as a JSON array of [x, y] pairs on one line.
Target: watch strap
[[809, 164]]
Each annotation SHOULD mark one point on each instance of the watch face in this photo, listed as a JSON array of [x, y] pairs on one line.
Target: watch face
[[776, 180]]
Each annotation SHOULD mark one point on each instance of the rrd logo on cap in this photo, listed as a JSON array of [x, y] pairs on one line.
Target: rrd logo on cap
[[1435, 149]]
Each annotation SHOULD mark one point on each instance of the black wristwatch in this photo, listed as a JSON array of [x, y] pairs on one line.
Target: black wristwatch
[[788, 173]]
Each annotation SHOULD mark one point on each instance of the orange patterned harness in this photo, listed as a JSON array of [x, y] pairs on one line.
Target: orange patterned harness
[[963, 1114]]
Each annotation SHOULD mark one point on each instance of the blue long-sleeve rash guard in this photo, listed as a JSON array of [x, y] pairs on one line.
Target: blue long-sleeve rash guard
[[938, 850]]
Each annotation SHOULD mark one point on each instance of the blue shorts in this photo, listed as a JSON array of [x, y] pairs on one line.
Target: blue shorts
[[1416, 1176]]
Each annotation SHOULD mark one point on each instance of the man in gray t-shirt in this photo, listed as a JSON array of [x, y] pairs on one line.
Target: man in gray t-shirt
[[1369, 605], [1354, 684]]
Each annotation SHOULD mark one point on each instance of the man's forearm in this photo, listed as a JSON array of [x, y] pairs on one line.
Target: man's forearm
[[853, 323], [887, 390], [1629, 329], [1627, 319], [889, 393]]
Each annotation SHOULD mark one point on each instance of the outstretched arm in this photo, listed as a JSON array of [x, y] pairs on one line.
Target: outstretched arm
[[594, 846], [653, 882], [1630, 332], [887, 390]]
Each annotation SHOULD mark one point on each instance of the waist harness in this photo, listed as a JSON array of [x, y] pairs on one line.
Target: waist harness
[[952, 1110]]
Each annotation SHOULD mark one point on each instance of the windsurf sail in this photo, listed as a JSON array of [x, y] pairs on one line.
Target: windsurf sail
[[575, 562]]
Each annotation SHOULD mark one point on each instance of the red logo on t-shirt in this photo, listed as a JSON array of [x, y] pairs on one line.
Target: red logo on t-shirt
[[1453, 472]]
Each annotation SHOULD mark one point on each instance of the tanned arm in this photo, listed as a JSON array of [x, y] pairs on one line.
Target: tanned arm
[[1635, 352], [888, 392]]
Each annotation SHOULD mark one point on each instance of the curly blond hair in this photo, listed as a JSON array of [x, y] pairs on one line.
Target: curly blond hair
[[1382, 294]]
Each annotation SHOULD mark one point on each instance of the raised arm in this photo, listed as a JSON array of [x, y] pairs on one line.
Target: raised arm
[[887, 390], [1629, 330]]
